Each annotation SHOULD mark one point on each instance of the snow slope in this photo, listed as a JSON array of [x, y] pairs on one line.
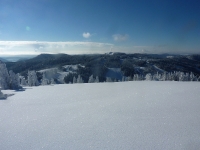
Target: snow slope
[[127, 115], [55, 74]]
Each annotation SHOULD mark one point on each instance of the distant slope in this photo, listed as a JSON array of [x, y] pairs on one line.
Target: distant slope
[[3, 60], [16, 58], [98, 64]]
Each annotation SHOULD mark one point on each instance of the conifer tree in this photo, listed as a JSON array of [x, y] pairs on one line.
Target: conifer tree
[[4, 76], [32, 78], [14, 80]]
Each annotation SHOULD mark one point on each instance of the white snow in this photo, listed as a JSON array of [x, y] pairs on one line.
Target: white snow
[[110, 53], [169, 56], [61, 75], [158, 69], [47, 70], [72, 68], [127, 115], [55, 74]]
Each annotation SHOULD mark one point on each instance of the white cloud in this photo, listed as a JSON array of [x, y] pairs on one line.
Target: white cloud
[[119, 37], [37, 47], [86, 35]]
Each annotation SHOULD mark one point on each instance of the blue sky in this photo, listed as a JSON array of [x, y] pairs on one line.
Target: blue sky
[[99, 26]]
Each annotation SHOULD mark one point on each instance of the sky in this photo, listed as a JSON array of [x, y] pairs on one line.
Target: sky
[[99, 26]]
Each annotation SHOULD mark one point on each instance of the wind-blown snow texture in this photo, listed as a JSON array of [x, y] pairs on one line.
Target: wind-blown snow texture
[[128, 115]]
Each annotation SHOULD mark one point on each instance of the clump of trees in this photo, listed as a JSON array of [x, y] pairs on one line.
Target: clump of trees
[[8, 80], [171, 76], [70, 78], [32, 78]]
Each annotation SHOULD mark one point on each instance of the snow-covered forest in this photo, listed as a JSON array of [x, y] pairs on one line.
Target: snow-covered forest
[[10, 80]]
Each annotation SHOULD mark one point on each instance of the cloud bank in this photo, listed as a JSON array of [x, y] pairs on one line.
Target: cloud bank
[[119, 37], [86, 35], [77, 47], [38, 47]]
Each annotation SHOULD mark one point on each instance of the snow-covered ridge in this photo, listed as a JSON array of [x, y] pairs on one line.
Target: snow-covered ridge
[[72, 68]]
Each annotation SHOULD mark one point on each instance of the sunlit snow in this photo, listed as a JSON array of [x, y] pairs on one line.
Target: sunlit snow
[[128, 115]]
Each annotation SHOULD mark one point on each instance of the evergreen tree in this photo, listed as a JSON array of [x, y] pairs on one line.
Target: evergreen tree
[[2, 96], [97, 79], [79, 79], [4, 76], [53, 81], [148, 77], [91, 79], [74, 80], [123, 78], [45, 81], [23, 82], [14, 80], [32, 78], [108, 79]]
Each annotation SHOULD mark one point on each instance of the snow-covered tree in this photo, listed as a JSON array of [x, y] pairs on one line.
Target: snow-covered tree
[[4, 76], [2, 96], [23, 82], [50, 73], [108, 79], [156, 77], [129, 78], [135, 77], [45, 81], [32, 78], [183, 77], [74, 80], [53, 81], [91, 79], [123, 78], [192, 77], [164, 77], [14, 80], [79, 79], [148, 77], [97, 79], [174, 76]]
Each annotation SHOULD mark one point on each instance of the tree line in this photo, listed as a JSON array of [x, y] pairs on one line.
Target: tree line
[[10, 80]]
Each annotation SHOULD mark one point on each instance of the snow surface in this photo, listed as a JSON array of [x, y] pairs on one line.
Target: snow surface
[[144, 115], [73, 68], [59, 75], [46, 70]]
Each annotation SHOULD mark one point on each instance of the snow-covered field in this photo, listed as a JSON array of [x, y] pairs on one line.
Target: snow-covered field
[[128, 115]]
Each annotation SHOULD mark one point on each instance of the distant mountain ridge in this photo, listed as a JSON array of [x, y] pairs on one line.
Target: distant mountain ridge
[[15, 58], [3, 60], [100, 64]]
